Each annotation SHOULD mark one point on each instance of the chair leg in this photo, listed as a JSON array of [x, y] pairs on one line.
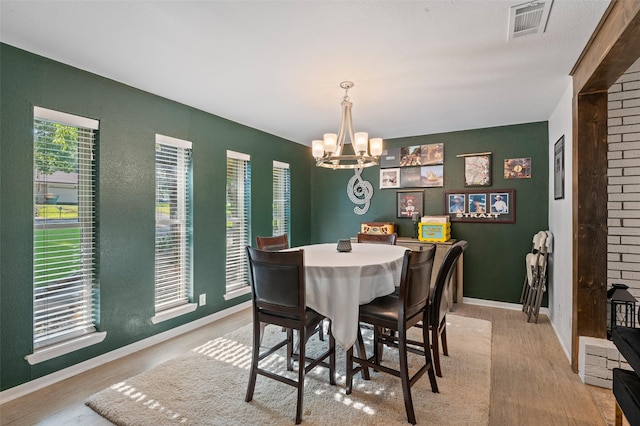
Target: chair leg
[[301, 370], [321, 330], [262, 327], [529, 302], [254, 361], [349, 378], [443, 336], [289, 349], [377, 347], [435, 343], [538, 301], [332, 356], [404, 376], [332, 359], [427, 358], [362, 353], [525, 290]]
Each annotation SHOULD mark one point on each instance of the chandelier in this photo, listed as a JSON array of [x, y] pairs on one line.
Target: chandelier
[[329, 152]]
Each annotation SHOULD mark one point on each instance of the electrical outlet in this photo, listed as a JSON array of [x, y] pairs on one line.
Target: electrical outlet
[[203, 299]]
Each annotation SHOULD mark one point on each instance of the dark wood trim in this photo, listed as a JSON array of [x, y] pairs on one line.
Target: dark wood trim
[[610, 51], [613, 48], [589, 218]]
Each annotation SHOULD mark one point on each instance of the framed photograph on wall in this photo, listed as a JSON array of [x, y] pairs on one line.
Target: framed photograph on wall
[[410, 177], [499, 202], [389, 178], [477, 170], [432, 176], [517, 168], [558, 169], [410, 156], [480, 205], [432, 154], [456, 203], [477, 203], [409, 203], [390, 158]]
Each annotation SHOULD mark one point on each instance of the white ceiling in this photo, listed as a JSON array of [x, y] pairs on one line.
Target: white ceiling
[[419, 67]]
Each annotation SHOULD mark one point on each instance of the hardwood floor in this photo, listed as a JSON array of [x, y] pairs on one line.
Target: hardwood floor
[[531, 378]]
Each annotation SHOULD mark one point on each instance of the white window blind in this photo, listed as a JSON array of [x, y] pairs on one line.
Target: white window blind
[[173, 223], [281, 198], [64, 276], [238, 223]]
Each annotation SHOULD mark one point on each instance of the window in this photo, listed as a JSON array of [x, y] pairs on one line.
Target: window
[[281, 198], [64, 247], [238, 224], [173, 223]]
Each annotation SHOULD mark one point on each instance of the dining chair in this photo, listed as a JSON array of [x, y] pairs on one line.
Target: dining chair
[[377, 238], [438, 307], [278, 297], [275, 243], [374, 239], [399, 313]]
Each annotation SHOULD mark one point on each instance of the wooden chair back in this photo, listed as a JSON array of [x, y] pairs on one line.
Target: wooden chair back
[[414, 285], [438, 308], [277, 282], [276, 243]]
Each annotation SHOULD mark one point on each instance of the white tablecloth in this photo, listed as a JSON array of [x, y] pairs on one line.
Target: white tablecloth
[[337, 283]]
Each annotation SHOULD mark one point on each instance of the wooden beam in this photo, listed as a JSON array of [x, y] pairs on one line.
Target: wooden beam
[[612, 49], [609, 52], [589, 218]]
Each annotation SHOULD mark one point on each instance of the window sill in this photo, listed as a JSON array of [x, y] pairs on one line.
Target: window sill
[[64, 348], [173, 312], [237, 293]]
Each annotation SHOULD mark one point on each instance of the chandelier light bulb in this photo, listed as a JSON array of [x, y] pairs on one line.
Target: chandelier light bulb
[[376, 146], [317, 148], [330, 140], [361, 142]]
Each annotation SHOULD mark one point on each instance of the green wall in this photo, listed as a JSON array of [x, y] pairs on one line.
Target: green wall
[[494, 260], [129, 119], [321, 211]]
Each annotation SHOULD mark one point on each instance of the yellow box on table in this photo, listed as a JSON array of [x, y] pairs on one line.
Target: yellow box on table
[[434, 229]]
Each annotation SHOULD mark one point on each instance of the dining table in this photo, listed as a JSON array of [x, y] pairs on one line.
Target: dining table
[[337, 283]]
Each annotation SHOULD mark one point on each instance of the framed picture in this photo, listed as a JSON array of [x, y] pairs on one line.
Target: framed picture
[[432, 154], [499, 202], [477, 170], [517, 168], [558, 169], [410, 156], [481, 206], [409, 203], [390, 158], [389, 178], [477, 203], [456, 203], [410, 177], [432, 176]]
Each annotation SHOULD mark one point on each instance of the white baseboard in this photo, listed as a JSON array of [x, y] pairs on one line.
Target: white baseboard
[[567, 351], [503, 305], [44, 381]]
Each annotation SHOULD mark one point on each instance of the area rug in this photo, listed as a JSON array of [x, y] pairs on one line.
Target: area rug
[[207, 386]]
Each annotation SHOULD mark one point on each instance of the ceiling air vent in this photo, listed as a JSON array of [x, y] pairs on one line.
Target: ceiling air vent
[[529, 18]]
